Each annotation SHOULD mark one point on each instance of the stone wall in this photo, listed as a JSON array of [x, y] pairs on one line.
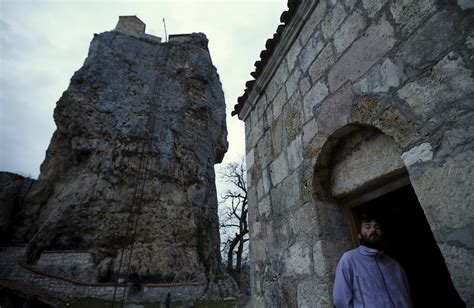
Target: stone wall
[[399, 74]]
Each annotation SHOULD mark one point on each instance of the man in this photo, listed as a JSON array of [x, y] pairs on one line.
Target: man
[[365, 277]]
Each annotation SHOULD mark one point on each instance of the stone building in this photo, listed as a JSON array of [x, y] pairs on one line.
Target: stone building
[[124, 194], [362, 106]]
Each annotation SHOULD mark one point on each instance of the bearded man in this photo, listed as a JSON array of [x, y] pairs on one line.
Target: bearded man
[[367, 278]]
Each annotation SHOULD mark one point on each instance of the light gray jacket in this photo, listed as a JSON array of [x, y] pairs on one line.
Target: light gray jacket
[[367, 278]]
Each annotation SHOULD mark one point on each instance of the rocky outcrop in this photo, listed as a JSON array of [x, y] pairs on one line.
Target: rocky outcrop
[[13, 190], [129, 174]]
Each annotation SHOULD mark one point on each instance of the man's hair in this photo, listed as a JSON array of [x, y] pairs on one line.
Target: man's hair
[[368, 217]]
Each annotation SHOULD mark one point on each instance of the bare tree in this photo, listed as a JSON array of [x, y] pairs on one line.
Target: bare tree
[[234, 215]]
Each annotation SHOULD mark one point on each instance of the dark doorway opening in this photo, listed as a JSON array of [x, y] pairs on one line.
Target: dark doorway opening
[[409, 240]]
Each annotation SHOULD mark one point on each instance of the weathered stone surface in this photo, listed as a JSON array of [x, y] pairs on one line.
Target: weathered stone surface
[[124, 160], [322, 63], [13, 190], [292, 55], [278, 102], [333, 19], [465, 4], [373, 6], [433, 195], [349, 30], [449, 82], [310, 51], [409, 14], [313, 22], [334, 111], [366, 51], [420, 153], [278, 136], [292, 83], [293, 117], [298, 259], [309, 131], [363, 158], [432, 39], [315, 96], [279, 169], [380, 79], [295, 153], [460, 262]]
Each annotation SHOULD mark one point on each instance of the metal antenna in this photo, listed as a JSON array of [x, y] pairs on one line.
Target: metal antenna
[[166, 35]]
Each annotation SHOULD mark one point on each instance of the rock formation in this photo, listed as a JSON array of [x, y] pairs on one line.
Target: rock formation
[[129, 173]]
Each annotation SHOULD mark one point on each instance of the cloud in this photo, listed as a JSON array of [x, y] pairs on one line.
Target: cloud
[[44, 42]]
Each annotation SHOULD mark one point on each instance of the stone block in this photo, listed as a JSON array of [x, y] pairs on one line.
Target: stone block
[[449, 82], [278, 136], [334, 112], [380, 78], [465, 4], [312, 292], [293, 112], [417, 154], [361, 159], [286, 197], [310, 129], [304, 85], [249, 159], [324, 61], [373, 6], [292, 82], [333, 19], [278, 102], [279, 169], [460, 263], [434, 190], [298, 259], [349, 31], [409, 14], [264, 207], [295, 153], [303, 220], [313, 22], [377, 40], [292, 55], [264, 150], [315, 96], [437, 35], [310, 51], [267, 185]]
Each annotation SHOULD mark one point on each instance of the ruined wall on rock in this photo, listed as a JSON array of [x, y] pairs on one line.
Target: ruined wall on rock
[[129, 173], [348, 93]]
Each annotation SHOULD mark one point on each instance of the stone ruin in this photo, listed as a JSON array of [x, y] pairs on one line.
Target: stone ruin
[[127, 189]]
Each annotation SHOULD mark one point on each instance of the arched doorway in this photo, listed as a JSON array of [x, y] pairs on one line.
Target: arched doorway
[[360, 171], [409, 240]]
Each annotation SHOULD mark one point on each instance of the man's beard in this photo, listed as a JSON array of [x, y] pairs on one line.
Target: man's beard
[[372, 241]]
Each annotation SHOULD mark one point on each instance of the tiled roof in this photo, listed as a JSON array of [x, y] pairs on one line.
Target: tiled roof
[[265, 55]]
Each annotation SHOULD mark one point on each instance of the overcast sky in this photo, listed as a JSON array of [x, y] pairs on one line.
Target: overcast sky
[[44, 42]]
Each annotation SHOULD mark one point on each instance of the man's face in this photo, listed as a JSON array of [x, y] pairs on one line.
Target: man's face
[[370, 234]]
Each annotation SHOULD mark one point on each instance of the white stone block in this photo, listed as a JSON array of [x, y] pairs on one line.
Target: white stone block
[[309, 131], [316, 95], [295, 153], [279, 169], [380, 78], [249, 159], [420, 153]]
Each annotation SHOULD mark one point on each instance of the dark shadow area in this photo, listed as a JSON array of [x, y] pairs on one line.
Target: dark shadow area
[[409, 240]]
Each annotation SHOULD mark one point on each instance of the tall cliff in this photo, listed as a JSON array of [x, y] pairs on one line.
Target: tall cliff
[[129, 173]]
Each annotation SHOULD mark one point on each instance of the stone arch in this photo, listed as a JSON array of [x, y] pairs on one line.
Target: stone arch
[[352, 145], [359, 165]]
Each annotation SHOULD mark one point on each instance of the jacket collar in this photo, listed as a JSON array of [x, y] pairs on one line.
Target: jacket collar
[[366, 251]]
